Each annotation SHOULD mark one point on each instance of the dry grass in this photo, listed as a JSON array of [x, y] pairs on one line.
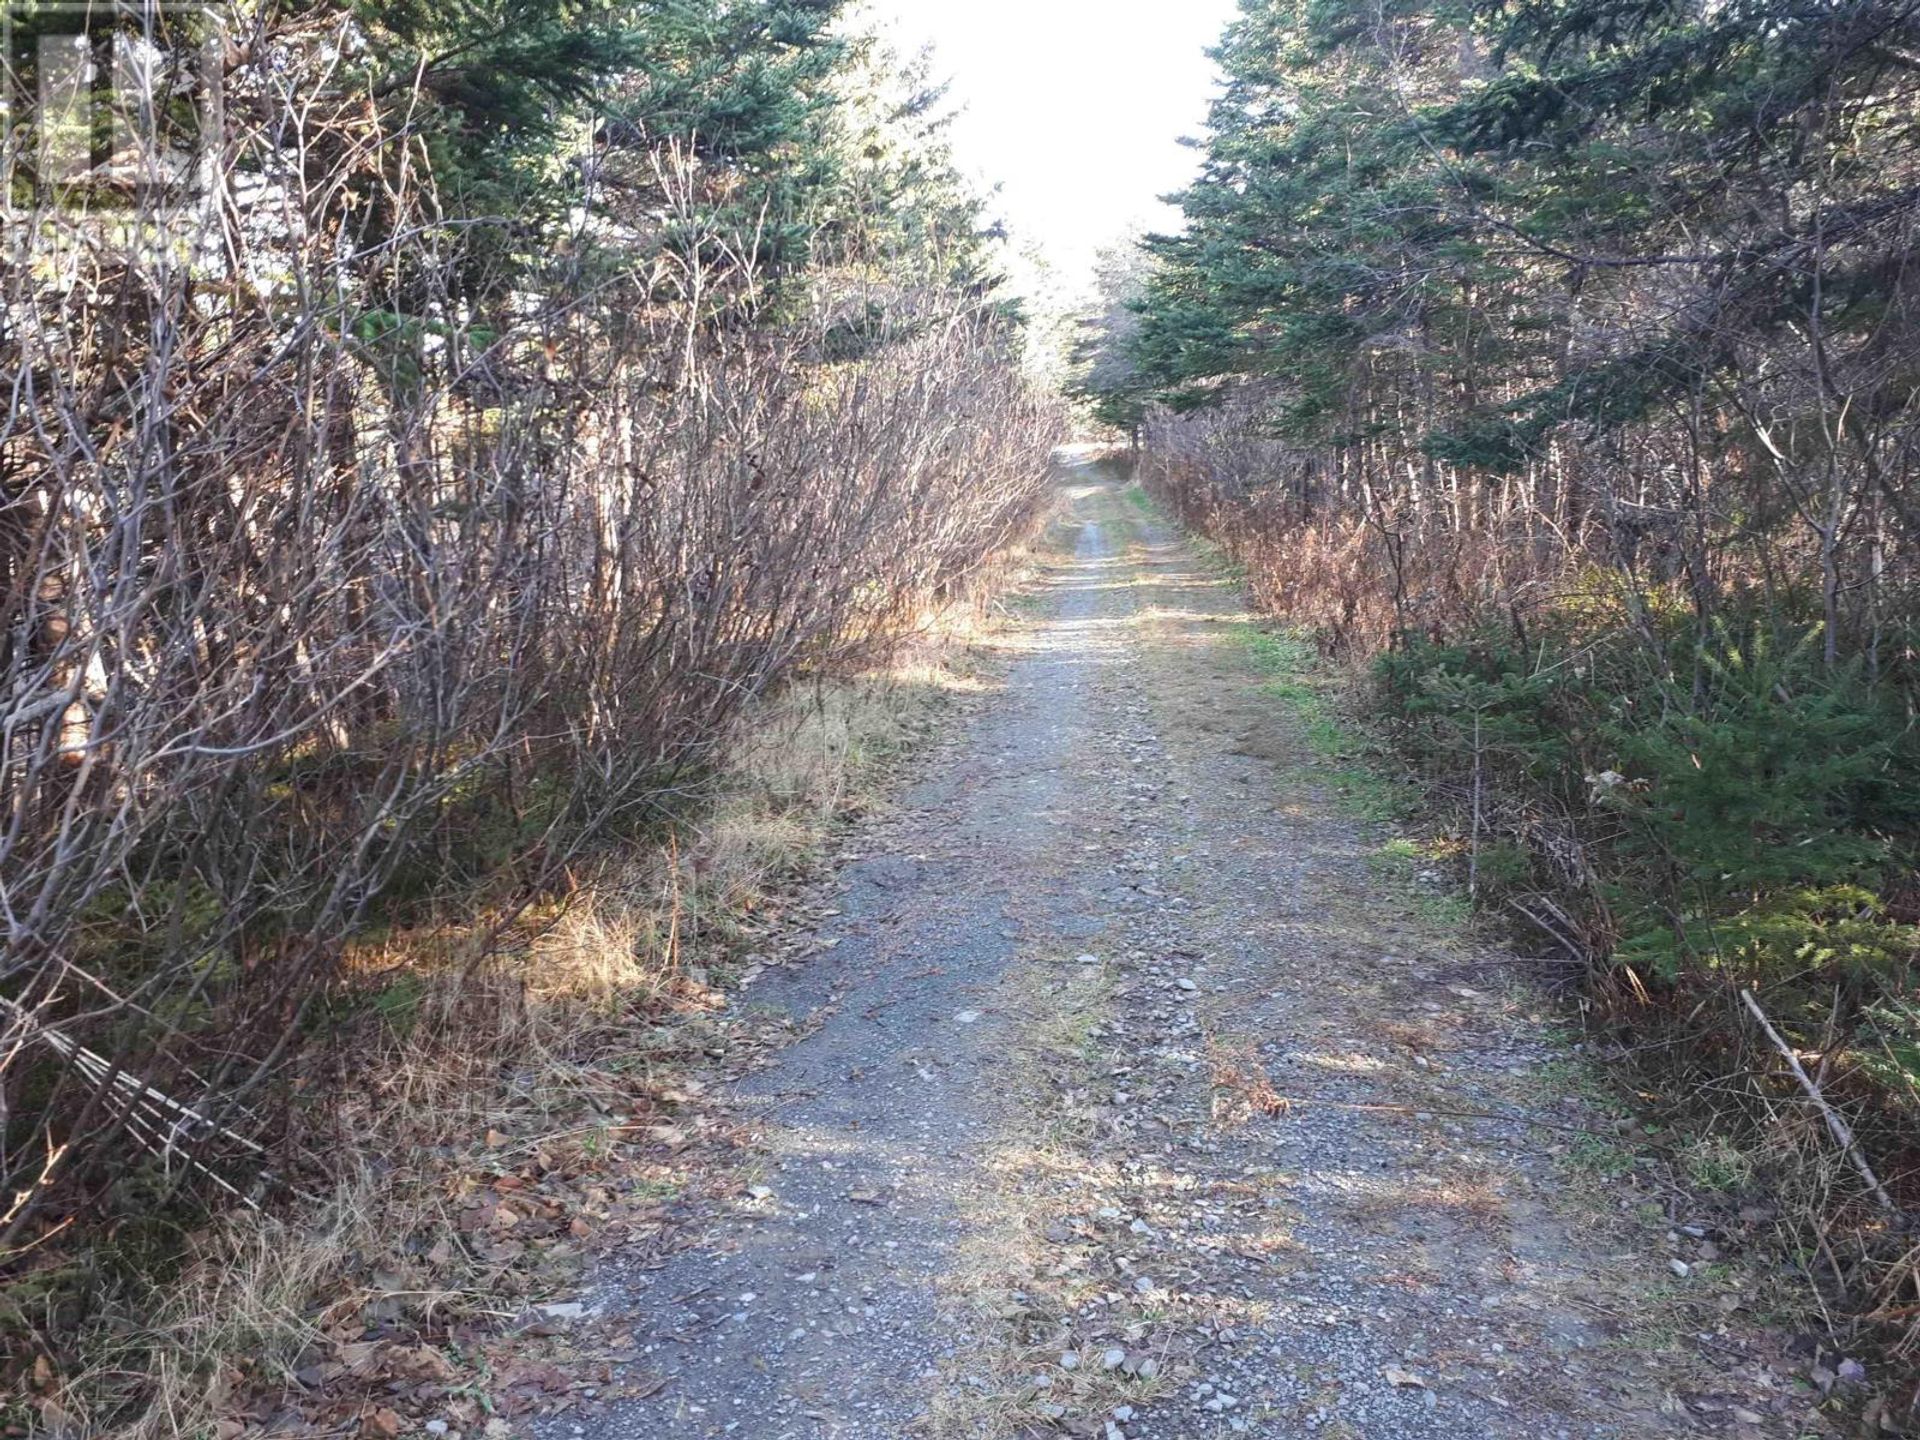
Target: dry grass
[[1035, 1277], [1472, 1199], [241, 1314], [1419, 1039], [1241, 1087]]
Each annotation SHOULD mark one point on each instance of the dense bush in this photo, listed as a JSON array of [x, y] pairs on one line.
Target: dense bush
[[1747, 827], [1559, 360], [423, 505]]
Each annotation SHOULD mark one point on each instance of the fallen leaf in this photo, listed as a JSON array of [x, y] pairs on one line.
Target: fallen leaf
[[431, 1363]]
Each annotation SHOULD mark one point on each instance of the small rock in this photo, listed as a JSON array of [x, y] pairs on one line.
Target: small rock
[[966, 1017], [1186, 984], [759, 1192], [564, 1310], [1069, 1361], [1113, 1359], [1680, 1268], [436, 1427]]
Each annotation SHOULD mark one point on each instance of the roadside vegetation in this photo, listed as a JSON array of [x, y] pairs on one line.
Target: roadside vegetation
[[440, 548], [1553, 366]]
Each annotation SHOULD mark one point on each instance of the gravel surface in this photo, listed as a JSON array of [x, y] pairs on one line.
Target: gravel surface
[[1060, 1149]]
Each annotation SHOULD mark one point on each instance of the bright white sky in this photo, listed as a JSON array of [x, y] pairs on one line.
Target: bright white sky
[[1075, 108]]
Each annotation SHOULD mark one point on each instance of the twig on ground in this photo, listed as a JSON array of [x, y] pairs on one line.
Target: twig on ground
[[1841, 1131]]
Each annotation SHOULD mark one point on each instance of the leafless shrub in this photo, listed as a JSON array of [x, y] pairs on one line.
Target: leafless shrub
[[1318, 536], [310, 611]]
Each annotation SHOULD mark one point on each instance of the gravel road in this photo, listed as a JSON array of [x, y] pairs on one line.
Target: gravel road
[[1061, 1149]]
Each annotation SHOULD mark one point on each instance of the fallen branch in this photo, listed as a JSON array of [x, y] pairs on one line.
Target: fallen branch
[[1842, 1132]]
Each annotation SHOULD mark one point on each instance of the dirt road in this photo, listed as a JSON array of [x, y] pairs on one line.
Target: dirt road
[[1032, 1169]]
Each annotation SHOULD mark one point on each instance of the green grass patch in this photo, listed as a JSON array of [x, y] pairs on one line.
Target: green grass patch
[[1448, 910], [1293, 674], [1714, 1162], [1402, 859], [1283, 654], [1597, 1156], [1398, 856]]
